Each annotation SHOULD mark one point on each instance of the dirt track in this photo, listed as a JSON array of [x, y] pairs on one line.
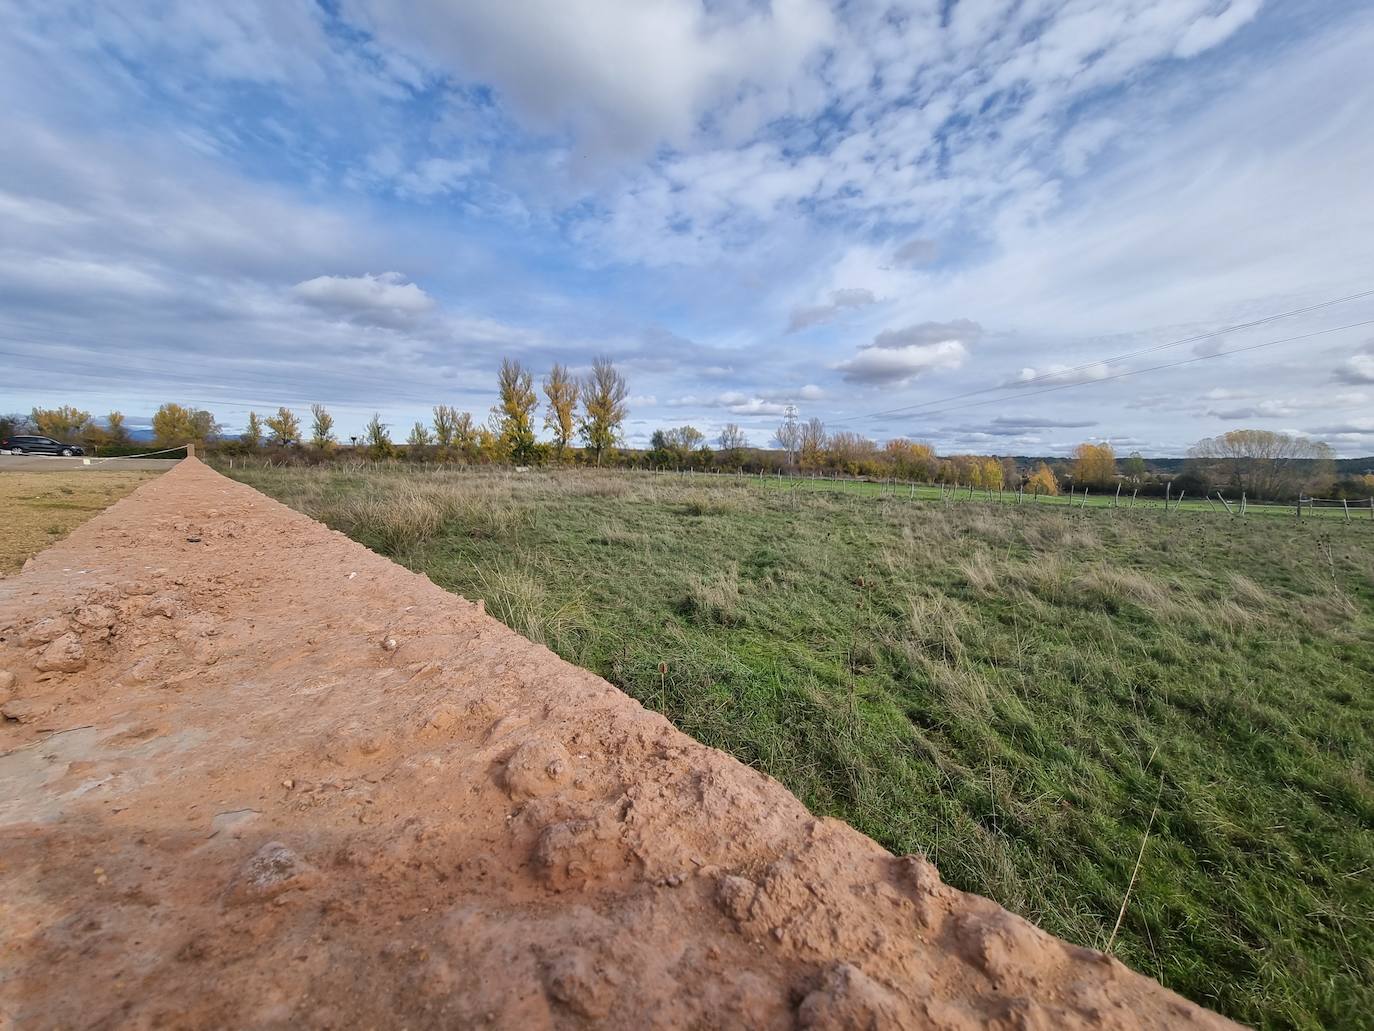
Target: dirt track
[[271, 779]]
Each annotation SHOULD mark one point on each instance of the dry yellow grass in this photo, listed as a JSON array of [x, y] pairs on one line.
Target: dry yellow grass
[[37, 509]]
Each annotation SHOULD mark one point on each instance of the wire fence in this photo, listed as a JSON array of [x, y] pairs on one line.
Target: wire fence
[[1119, 498]]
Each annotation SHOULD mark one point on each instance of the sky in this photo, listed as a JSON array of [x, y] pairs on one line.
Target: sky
[[986, 225]]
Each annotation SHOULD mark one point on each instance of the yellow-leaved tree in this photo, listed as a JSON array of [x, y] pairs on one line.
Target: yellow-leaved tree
[[603, 407], [175, 424], [910, 460], [1094, 465], [514, 414], [64, 423], [284, 426], [252, 436], [561, 390], [987, 473], [445, 423], [379, 437], [321, 427], [1042, 481]]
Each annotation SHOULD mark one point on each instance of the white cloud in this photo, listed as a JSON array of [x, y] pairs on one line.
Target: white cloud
[[388, 296], [962, 331], [896, 356], [738, 402], [897, 365], [619, 75], [1211, 29], [757, 406], [1358, 368]]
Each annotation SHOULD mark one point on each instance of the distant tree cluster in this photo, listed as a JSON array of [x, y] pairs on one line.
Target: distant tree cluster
[[69, 424], [1261, 463], [590, 410], [584, 418]]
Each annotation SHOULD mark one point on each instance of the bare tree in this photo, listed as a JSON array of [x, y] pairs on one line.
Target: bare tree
[[13, 422], [1262, 463], [732, 438]]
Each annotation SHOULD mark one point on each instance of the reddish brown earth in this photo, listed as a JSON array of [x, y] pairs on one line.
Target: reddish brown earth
[[254, 775]]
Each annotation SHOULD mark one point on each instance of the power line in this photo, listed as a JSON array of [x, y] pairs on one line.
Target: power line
[[1050, 376]]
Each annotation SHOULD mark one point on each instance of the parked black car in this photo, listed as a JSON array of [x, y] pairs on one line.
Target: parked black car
[[34, 445]]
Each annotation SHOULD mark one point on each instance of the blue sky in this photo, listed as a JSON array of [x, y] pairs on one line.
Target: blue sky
[[906, 219]]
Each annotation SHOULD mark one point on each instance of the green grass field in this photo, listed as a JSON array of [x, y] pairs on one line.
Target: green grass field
[[1021, 692], [1359, 511]]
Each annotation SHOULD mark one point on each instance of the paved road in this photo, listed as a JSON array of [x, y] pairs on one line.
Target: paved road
[[55, 463]]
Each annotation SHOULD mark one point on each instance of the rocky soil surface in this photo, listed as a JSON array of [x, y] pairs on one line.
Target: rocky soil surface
[[254, 775]]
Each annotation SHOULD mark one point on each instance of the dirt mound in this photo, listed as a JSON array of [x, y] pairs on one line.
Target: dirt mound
[[255, 775]]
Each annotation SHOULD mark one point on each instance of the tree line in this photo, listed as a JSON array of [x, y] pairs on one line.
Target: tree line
[[69, 425], [584, 417], [590, 409], [1259, 464]]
